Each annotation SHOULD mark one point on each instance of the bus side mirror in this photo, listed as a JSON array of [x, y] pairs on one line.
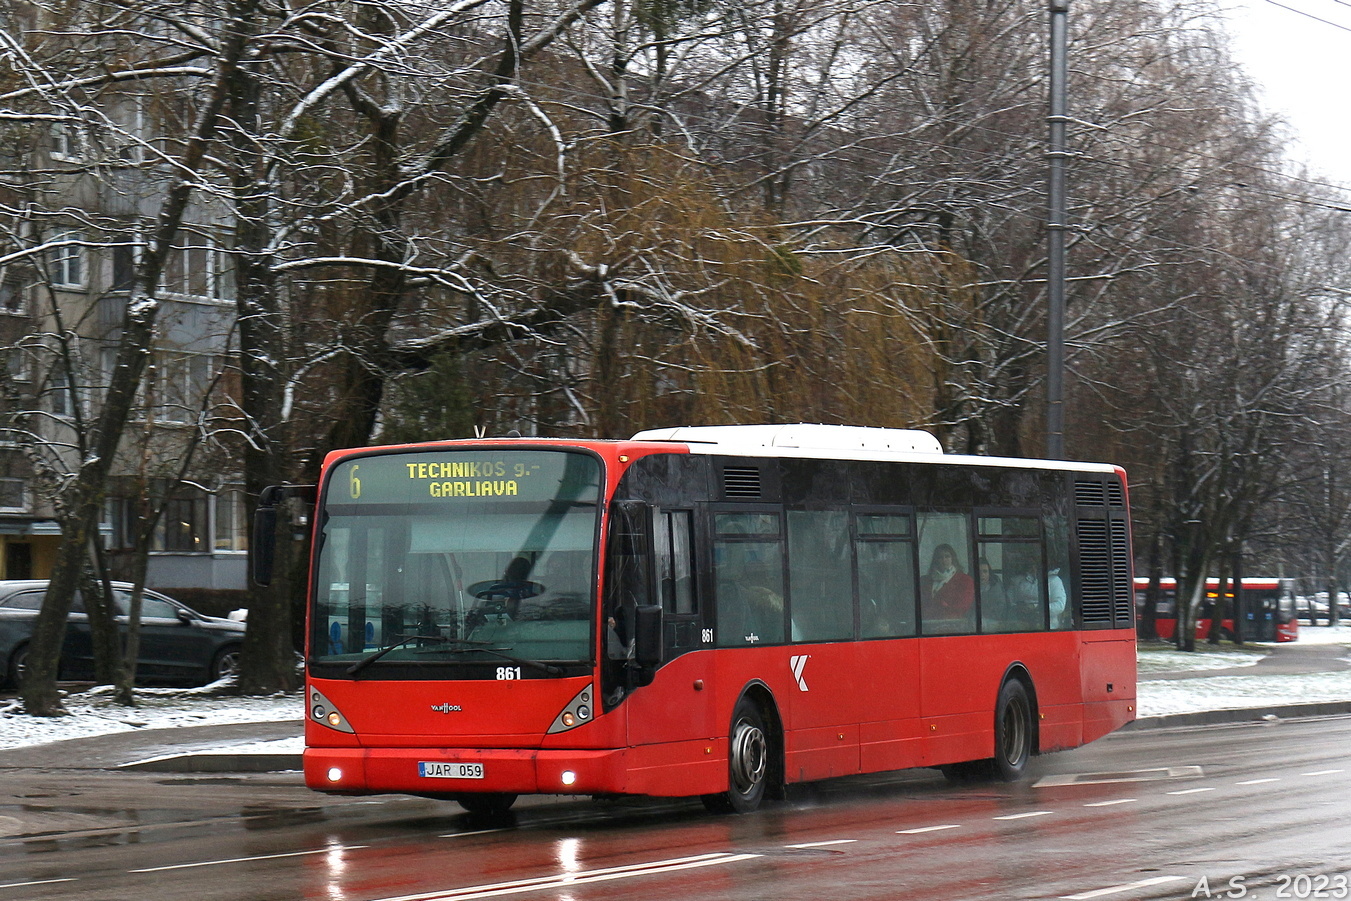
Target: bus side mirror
[[263, 546], [647, 636]]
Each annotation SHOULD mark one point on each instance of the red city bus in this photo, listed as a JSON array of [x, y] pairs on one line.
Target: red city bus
[[1268, 609], [713, 611]]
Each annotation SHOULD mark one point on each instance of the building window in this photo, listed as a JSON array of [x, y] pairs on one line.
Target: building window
[[15, 363], [13, 297], [60, 394], [232, 527], [183, 525], [13, 496], [181, 385], [67, 260], [64, 146], [198, 266], [124, 266], [193, 522]]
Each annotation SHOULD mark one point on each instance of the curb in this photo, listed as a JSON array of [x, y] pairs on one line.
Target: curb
[[1239, 715], [216, 763]]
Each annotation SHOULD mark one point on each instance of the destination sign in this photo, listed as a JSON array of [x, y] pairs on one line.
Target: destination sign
[[420, 477]]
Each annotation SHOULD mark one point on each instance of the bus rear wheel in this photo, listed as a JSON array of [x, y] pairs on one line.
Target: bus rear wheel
[[1012, 741], [487, 804], [1012, 732], [750, 766]]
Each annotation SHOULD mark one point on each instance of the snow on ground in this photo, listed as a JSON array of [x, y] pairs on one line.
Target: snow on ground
[[1161, 697], [93, 712]]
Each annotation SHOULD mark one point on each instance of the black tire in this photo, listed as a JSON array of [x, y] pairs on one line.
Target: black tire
[[750, 762], [1012, 732], [1012, 741], [488, 804], [17, 662], [968, 771], [225, 663]]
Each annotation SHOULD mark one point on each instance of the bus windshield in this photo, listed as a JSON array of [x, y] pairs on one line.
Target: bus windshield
[[454, 563]]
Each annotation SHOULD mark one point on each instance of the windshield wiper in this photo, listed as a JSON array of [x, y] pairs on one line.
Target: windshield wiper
[[403, 640], [464, 645], [523, 661]]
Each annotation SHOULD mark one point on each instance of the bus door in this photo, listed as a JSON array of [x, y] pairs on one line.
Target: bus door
[[823, 705], [678, 705]]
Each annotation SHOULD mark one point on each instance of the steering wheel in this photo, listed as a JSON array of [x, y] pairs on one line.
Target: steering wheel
[[505, 589]]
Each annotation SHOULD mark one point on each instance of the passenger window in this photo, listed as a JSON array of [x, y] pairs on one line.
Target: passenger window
[[947, 588], [28, 600], [748, 579], [1010, 575], [674, 569], [886, 588], [152, 608], [820, 580]]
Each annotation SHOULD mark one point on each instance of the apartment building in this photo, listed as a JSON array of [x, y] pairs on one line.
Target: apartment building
[[77, 197]]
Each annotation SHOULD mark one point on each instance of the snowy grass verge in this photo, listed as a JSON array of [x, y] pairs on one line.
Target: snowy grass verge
[[93, 712]]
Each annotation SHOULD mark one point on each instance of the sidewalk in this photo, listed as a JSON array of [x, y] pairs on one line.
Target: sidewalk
[[1304, 678], [1287, 675]]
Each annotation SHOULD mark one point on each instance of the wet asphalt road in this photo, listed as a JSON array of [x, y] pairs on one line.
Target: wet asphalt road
[[1254, 811]]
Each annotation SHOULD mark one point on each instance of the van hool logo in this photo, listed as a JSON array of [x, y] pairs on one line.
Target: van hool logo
[[447, 708]]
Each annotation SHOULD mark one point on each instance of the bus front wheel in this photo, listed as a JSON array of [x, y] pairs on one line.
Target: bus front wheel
[[488, 804], [749, 762]]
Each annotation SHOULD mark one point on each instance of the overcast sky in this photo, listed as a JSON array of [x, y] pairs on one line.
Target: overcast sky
[[1303, 67]]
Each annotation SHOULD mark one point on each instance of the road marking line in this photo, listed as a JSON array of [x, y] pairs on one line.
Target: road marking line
[[1190, 791], [926, 829], [478, 832], [1117, 889], [838, 841], [1151, 775], [213, 863], [1256, 781], [36, 882], [1023, 816], [1323, 773], [567, 880], [1110, 803]]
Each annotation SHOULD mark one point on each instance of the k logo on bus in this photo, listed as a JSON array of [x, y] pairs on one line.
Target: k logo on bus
[[798, 664]]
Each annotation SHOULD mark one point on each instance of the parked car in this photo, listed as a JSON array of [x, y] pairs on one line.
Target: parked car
[[178, 644]]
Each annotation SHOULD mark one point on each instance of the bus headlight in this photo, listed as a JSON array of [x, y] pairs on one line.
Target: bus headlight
[[576, 713], [324, 713]]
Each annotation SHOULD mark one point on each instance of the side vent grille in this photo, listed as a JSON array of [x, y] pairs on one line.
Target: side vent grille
[[1089, 494], [1123, 604], [741, 482], [1095, 567], [1115, 496]]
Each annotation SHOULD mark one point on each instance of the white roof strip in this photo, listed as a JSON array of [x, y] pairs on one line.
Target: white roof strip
[[845, 442]]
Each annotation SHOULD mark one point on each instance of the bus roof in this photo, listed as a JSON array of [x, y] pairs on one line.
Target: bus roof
[[840, 442]]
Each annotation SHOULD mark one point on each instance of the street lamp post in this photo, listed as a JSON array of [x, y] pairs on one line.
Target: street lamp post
[[1055, 236]]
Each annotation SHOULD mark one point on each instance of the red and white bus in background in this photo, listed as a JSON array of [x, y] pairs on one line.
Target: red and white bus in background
[[1267, 604], [710, 611]]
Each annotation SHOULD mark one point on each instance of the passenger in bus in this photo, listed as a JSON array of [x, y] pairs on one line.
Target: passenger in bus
[[1024, 591], [994, 604], [1055, 587], [947, 592], [991, 588]]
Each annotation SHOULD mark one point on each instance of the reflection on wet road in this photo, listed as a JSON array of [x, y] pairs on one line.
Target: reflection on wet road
[[1138, 815]]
